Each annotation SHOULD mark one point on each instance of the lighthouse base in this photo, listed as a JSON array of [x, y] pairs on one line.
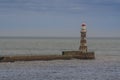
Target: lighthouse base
[[79, 54]]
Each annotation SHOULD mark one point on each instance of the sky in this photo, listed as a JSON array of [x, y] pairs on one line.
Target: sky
[[59, 18]]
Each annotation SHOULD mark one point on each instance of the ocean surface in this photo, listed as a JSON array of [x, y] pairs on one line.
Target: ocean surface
[[43, 46], [106, 66]]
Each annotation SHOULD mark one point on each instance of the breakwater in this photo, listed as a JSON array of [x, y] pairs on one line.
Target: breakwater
[[33, 58], [64, 56]]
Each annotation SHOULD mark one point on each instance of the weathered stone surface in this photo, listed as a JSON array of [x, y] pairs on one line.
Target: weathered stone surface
[[35, 57], [66, 55], [80, 55]]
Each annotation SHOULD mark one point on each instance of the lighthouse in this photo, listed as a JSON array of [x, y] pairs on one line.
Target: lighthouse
[[82, 52], [83, 41]]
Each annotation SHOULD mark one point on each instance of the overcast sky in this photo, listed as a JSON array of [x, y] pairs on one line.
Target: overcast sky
[[59, 18]]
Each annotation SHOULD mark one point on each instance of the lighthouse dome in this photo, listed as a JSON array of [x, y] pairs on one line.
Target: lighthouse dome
[[83, 24]]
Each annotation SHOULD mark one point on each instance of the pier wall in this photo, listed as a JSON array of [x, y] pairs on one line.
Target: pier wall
[[79, 55], [66, 55], [34, 57]]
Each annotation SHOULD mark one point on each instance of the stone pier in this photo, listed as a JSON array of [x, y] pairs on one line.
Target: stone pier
[[79, 54]]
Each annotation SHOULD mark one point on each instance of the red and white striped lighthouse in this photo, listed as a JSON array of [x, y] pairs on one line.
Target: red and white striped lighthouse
[[83, 41]]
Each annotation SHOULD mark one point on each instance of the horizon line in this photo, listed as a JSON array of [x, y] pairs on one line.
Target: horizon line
[[46, 37]]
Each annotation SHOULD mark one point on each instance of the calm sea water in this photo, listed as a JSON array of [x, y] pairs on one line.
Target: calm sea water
[[36, 46], [106, 66]]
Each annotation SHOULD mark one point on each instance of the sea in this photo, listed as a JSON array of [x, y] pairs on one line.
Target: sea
[[106, 65]]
